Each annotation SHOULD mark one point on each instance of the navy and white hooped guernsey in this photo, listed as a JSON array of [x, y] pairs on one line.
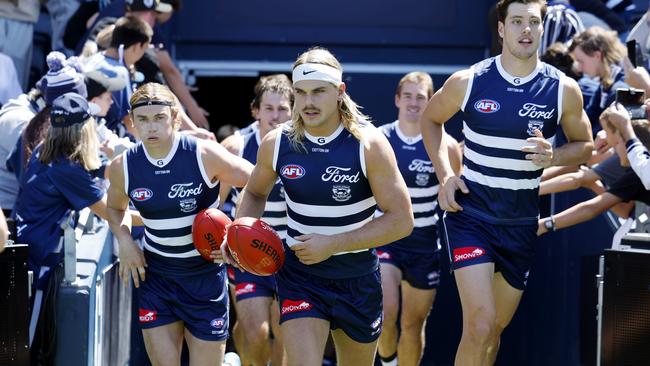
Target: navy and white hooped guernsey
[[500, 112], [416, 168], [327, 192], [275, 211], [168, 193]]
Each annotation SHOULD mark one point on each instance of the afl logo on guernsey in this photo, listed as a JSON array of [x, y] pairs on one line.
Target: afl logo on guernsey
[[487, 106], [292, 171], [141, 194]]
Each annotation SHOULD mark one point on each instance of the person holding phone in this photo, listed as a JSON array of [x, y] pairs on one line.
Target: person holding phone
[[628, 186]]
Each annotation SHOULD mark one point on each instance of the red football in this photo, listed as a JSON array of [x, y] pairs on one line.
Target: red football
[[255, 246], [208, 230]]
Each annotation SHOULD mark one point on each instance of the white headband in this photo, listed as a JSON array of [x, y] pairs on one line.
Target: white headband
[[317, 72]]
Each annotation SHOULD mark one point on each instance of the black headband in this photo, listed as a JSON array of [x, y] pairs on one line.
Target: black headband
[[152, 102]]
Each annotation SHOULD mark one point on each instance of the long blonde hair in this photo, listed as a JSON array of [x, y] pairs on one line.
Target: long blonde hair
[[77, 142], [611, 49], [154, 92], [349, 111]]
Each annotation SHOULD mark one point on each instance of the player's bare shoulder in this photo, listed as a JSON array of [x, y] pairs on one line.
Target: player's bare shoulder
[[458, 82], [572, 95]]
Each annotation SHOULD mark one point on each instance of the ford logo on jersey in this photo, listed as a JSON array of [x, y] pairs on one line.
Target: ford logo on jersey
[[141, 194], [487, 106], [292, 171]]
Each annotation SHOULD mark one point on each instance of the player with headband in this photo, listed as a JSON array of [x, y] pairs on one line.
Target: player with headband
[[336, 169]]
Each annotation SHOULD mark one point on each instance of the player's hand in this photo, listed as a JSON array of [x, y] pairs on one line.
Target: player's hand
[[223, 255], [132, 263], [314, 248], [541, 150], [541, 229], [447, 193]]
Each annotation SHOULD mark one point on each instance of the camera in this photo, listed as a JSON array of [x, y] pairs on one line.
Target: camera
[[632, 99]]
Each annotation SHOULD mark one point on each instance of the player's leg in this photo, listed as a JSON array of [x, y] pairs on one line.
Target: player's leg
[[390, 281], [304, 340], [278, 355], [202, 303], [164, 344], [254, 320], [479, 313], [203, 352], [507, 299], [416, 305], [352, 353]]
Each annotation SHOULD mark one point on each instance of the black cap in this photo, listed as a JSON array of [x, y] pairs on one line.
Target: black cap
[[69, 109]]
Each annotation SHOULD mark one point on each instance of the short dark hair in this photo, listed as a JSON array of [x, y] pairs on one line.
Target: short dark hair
[[277, 83], [130, 30], [502, 7]]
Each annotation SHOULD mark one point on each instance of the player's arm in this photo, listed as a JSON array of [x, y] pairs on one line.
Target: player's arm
[[455, 154], [233, 144], [581, 212], [132, 262], [576, 126], [253, 198], [392, 197], [222, 165], [442, 106], [4, 231]]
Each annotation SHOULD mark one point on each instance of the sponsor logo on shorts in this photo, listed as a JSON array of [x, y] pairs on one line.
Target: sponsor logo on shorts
[[218, 323], [289, 306], [466, 253], [376, 326], [383, 255], [292, 171], [487, 106], [433, 277], [147, 316], [141, 194], [244, 288]]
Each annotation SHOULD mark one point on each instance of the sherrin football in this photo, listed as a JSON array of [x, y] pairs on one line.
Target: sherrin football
[[208, 231], [255, 246]]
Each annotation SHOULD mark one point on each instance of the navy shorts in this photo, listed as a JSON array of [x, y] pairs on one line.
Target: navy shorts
[[420, 270], [471, 241], [248, 285], [201, 302], [353, 304]]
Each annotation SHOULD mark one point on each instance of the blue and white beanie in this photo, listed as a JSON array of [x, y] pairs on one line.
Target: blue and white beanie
[[61, 78]]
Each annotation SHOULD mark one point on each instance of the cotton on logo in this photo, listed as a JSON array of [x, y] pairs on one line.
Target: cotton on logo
[[141, 194], [147, 316], [292, 171], [465, 253], [289, 306], [244, 288], [487, 106]]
